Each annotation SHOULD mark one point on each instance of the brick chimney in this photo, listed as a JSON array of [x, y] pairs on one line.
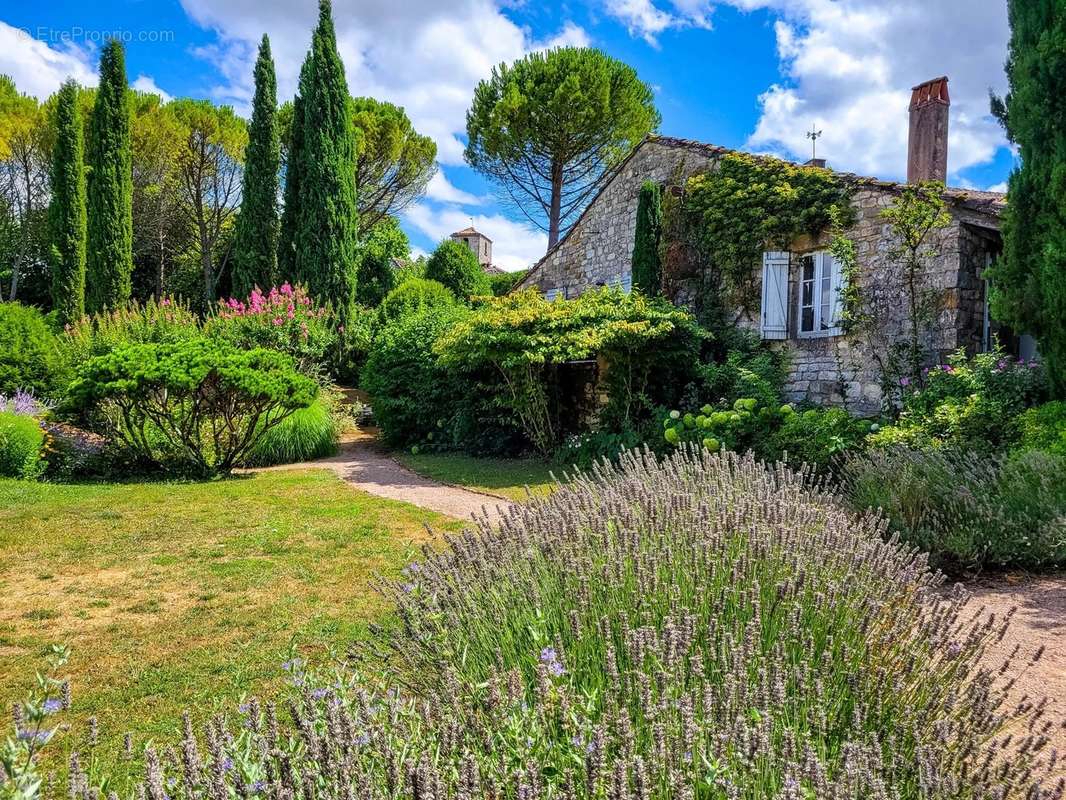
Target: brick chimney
[[927, 145]]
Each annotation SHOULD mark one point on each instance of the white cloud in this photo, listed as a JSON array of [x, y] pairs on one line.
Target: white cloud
[[645, 19], [998, 187], [146, 83], [848, 66], [36, 67], [423, 55], [514, 245], [441, 190]]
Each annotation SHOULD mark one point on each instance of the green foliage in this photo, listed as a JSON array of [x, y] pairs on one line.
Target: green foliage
[[454, 265], [413, 395], [109, 194], [503, 282], [967, 403], [255, 251], [395, 162], [548, 128], [306, 434], [746, 204], [197, 405], [748, 368], [647, 271], [966, 509], [68, 209], [155, 321], [1043, 428], [771, 432], [327, 230], [1029, 281], [30, 358], [524, 337], [380, 249], [21, 446], [291, 120], [412, 296]]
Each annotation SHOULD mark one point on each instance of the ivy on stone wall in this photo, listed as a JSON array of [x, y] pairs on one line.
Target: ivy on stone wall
[[747, 204]]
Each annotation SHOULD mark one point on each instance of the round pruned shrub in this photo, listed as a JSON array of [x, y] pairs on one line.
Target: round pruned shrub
[[455, 266], [30, 358], [700, 627], [21, 446], [1043, 428], [412, 296], [196, 406]]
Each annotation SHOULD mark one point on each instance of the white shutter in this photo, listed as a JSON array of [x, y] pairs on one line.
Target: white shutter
[[627, 283], [774, 295], [836, 286]]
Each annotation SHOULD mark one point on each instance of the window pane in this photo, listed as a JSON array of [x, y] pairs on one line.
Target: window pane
[[807, 322], [825, 317], [808, 294], [808, 268]]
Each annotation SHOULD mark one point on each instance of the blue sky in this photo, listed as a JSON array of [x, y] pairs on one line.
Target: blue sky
[[753, 74]]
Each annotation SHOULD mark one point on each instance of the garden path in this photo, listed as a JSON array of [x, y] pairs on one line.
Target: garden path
[[1039, 622], [363, 463]]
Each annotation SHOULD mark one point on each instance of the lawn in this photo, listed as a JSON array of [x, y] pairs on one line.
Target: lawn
[[176, 596], [506, 477]]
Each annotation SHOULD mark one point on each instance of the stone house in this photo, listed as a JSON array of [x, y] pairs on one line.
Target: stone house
[[800, 288]]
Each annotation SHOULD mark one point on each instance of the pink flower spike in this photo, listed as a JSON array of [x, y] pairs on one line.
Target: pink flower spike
[[286, 289]]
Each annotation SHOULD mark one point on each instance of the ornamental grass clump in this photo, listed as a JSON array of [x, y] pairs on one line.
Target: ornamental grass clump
[[701, 627]]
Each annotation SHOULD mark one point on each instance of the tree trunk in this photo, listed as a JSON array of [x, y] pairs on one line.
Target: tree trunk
[[205, 261], [557, 199]]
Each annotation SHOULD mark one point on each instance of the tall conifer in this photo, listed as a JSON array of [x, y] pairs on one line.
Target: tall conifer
[[109, 191], [647, 272], [327, 233], [67, 212], [255, 257], [294, 173], [1029, 282]]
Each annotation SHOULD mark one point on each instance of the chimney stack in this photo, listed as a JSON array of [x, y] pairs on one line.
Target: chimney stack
[[927, 145]]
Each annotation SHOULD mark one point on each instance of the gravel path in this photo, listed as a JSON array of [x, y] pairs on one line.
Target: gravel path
[[364, 464], [1039, 621]]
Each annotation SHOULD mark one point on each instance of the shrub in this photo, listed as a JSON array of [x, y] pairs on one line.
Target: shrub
[[21, 446], [413, 396], [29, 353], [284, 319], [154, 321], [308, 433], [967, 402], [772, 433], [455, 266], [1044, 428], [747, 369], [524, 339], [197, 405], [503, 282], [412, 296], [966, 509]]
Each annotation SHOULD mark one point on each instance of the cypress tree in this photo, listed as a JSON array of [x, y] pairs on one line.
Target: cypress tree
[[67, 212], [256, 237], [109, 254], [327, 233], [647, 271], [294, 172], [1029, 282]]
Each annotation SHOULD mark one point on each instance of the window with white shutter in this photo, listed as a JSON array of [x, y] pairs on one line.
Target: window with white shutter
[[774, 322], [820, 283]]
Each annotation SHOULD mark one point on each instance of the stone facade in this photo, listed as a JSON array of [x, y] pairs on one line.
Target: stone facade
[[823, 368]]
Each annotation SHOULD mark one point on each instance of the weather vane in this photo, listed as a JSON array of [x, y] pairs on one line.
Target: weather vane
[[813, 135]]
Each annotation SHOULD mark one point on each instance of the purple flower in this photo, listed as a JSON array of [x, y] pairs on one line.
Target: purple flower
[[954, 649], [52, 705], [259, 786], [550, 659], [318, 694], [26, 735], [363, 739], [227, 764], [904, 381]]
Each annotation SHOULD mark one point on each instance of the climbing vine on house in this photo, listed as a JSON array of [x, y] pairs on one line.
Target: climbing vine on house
[[748, 204], [525, 338]]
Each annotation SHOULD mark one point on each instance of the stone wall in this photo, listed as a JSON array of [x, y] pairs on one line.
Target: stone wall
[[823, 370]]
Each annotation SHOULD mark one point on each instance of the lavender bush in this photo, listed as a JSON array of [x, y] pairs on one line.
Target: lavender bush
[[23, 403], [697, 628]]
